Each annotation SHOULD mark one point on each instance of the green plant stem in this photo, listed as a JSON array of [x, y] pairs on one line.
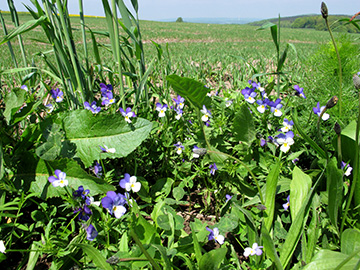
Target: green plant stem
[[82, 23], [140, 245], [118, 53], [247, 168], [339, 63], [355, 175], [319, 133]]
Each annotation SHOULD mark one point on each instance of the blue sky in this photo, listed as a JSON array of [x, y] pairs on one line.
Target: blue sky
[[166, 9]]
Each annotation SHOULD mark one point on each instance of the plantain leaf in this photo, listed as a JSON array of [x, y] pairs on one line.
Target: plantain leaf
[[86, 132], [190, 89], [243, 127], [13, 101], [350, 241]]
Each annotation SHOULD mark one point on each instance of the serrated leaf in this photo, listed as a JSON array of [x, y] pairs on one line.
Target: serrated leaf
[[190, 89], [87, 132]]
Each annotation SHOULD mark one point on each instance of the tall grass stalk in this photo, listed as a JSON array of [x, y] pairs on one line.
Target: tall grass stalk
[[13, 57]]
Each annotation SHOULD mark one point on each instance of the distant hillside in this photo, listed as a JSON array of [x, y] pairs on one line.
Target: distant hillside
[[313, 21], [216, 20]]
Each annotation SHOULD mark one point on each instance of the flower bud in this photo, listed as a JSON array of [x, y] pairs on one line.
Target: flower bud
[[332, 102], [324, 10], [356, 81], [337, 128]]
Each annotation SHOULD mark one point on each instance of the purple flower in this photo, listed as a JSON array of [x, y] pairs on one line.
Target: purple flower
[[295, 160], [287, 204], [130, 183], [24, 87], [299, 91], [262, 142], [107, 99], [179, 102], [105, 88], [58, 180], [287, 125], [93, 108], [127, 114], [97, 169], [347, 168], [84, 212], [179, 113], [206, 114], [80, 192], [285, 140], [254, 250], [57, 94], [179, 148], [228, 197], [213, 168], [215, 235], [317, 110], [91, 233], [49, 108], [161, 109], [114, 203], [105, 149], [275, 107], [262, 106], [249, 94]]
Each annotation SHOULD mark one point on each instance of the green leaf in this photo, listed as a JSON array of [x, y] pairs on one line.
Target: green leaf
[[74, 174], [350, 241], [282, 58], [334, 178], [299, 189], [146, 232], [273, 30], [212, 259], [95, 255], [243, 126], [86, 132], [50, 150], [13, 101], [33, 256], [197, 248], [271, 184], [178, 193], [190, 89], [25, 27], [327, 259], [270, 249]]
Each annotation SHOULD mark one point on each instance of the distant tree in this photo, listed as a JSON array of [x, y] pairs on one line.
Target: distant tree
[[179, 19]]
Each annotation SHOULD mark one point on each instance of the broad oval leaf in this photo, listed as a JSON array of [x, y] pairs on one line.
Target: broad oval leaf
[[212, 259], [350, 241], [299, 189], [86, 132], [243, 127]]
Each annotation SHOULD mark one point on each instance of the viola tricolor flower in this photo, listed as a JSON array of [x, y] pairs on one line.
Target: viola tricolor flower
[[91, 233], [262, 142], [129, 183], [84, 212], [249, 94], [81, 192], [97, 169], [161, 109], [275, 107], [92, 107], [107, 99], [287, 125], [262, 105], [206, 114], [105, 149], [254, 250], [58, 180], [57, 94], [179, 102], [347, 168], [228, 197], [228, 102], [213, 168], [285, 140], [24, 87], [215, 235], [179, 113], [2, 246], [317, 110], [197, 152], [287, 204], [114, 203], [179, 148], [299, 91], [49, 108], [127, 114]]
